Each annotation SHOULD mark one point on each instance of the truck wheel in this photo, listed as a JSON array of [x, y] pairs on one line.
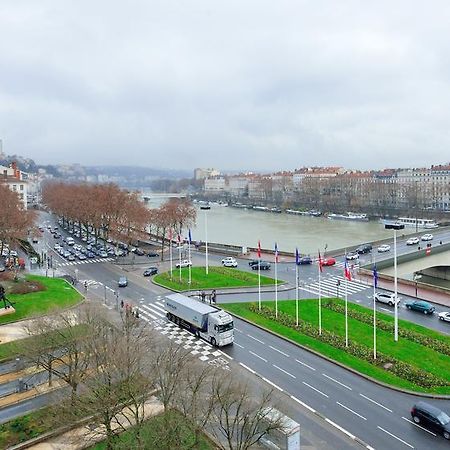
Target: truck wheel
[[213, 342]]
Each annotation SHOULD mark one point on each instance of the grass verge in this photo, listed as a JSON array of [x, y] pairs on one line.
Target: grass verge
[[58, 294], [218, 277], [417, 356]]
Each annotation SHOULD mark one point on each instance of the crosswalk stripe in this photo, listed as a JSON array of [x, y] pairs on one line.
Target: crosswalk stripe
[[146, 313], [160, 304], [159, 308], [152, 311]]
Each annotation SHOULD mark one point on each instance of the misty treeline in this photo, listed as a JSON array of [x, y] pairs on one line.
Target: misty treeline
[[117, 369], [109, 212]]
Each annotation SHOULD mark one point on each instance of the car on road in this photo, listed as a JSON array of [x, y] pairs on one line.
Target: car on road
[[138, 252], [328, 262], [304, 260], [351, 255], [262, 265], [152, 254], [386, 297], [229, 262], [444, 316], [427, 237], [150, 271], [183, 263], [123, 282], [412, 241], [384, 248], [421, 306], [365, 248], [253, 261], [428, 416], [35, 240]]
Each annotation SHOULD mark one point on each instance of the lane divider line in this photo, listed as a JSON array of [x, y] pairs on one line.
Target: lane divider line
[[256, 339], [284, 371], [418, 426], [314, 389], [279, 351], [351, 410], [376, 403], [260, 357], [394, 436], [338, 382], [304, 364]]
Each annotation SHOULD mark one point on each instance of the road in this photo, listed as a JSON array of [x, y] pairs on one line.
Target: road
[[377, 415]]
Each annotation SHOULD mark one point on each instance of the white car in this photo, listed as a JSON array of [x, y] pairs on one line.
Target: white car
[[229, 262], [386, 297], [184, 263], [444, 316], [352, 256], [384, 248], [412, 241], [427, 237]]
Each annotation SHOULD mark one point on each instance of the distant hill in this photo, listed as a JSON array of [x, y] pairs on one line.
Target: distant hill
[[130, 171]]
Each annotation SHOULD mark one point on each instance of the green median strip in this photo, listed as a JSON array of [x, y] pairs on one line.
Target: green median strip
[[408, 363], [217, 278]]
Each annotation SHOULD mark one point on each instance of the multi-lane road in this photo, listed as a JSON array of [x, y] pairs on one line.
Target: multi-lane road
[[310, 384]]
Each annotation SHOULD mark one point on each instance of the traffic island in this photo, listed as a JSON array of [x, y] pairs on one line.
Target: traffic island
[[418, 362], [217, 278]]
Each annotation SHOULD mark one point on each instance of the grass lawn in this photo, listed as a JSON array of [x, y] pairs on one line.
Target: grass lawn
[[155, 434], [218, 277], [58, 294], [405, 350]]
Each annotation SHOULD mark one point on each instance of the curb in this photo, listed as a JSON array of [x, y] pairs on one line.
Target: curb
[[350, 369]]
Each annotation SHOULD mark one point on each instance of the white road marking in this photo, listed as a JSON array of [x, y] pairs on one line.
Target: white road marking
[[418, 426], [385, 309], [304, 364], [394, 436], [314, 389], [338, 382], [238, 330], [272, 384], [248, 368], [334, 424], [279, 351], [376, 403], [239, 345], [227, 356], [284, 371], [303, 404], [260, 357], [351, 410], [256, 339]]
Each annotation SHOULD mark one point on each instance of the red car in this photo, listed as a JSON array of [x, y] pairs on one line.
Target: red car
[[328, 262]]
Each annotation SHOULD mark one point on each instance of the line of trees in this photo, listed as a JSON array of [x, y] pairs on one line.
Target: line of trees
[[113, 367], [108, 212], [15, 220]]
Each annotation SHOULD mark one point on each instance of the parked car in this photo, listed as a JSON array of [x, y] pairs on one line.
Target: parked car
[[412, 241], [35, 240], [328, 262], [229, 262], [428, 416], [365, 248], [253, 261], [427, 237], [263, 265], [305, 260], [384, 248], [152, 254], [90, 255], [82, 257], [71, 257], [184, 263], [150, 271], [421, 306], [386, 297], [139, 252], [123, 282], [351, 255], [444, 316], [103, 254]]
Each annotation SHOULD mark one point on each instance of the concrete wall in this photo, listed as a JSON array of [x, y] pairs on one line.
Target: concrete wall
[[441, 272]]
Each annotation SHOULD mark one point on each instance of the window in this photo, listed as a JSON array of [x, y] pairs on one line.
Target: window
[[21, 187]]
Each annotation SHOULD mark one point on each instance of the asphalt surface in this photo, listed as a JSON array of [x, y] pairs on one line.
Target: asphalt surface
[[377, 415]]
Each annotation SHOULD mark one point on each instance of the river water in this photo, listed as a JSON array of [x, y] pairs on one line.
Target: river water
[[244, 227]]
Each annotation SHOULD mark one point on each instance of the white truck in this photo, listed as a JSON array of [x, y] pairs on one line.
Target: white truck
[[204, 320]]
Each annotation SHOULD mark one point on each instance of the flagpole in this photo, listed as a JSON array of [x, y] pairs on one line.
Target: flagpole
[[259, 275], [179, 254], [374, 313], [206, 242], [296, 292], [276, 289], [189, 252], [320, 296], [395, 288], [346, 312], [170, 249]]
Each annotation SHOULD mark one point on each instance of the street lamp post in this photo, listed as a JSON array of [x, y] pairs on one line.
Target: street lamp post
[[395, 227], [206, 243], [417, 277]]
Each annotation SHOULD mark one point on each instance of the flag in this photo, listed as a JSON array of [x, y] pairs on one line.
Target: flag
[[259, 249], [297, 257], [276, 252], [190, 236], [347, 273], [375, 277], [179, 239], [320, 262], [170, 234]]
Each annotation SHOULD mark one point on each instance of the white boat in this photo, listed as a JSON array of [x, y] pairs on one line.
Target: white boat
[[349, 216], [412, 222]]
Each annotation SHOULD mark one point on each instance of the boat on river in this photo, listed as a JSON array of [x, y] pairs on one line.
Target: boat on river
[[412, 222], [349, 216]]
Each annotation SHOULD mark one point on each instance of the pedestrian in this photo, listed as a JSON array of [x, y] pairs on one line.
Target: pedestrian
[[121, 304], [203, 296], [213, 296], [85, 286]]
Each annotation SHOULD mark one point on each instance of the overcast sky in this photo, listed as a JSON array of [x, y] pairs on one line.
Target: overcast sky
[[232, 84]]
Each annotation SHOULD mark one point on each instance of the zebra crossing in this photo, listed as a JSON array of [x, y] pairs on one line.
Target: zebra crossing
[[87, 261], [90, 283], [351, 264], [334, 286]]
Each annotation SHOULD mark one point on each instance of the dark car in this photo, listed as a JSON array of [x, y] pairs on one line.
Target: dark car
[[305, 260], [152, 254], [150, 271], [365, 248], [263, 265], [252, 262], [428, 416], [139, 252], [421, 306]]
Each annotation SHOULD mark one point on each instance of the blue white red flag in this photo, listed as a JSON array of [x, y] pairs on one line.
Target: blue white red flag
[[375, 276], [347, 273], [297, 257], [259, 249], [320, 262], [276, 252]]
